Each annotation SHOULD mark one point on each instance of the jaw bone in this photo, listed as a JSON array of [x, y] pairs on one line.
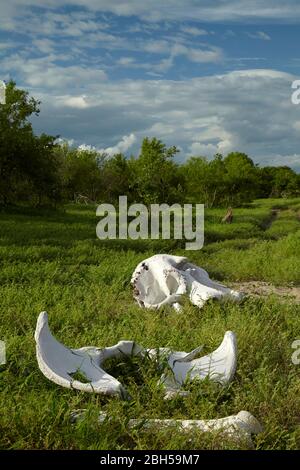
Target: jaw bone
[[58, 363], [219, 366], [162, 279], [239, 427]]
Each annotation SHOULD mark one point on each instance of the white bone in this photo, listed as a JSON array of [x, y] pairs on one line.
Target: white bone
[[238, 427], [219, 366], [58, 363], [162, 279]]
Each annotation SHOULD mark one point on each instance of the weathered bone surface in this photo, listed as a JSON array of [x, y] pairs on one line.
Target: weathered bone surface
[[240, 427], [58, 363], [219, 366], [162, 279]]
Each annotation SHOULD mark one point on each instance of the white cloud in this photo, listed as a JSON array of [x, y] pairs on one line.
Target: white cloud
[[76, 102], [61, 141], [292, 161], [197, 55], [44, 45], [193, 30], [125, 144], [126, 61], [197, 148], [249, 111], [156, 10], [222, 141], [259, 35], [4, 46], [157, 46], [122, 146], [211, 54], [45, 73], [87, 148], [266, 74]]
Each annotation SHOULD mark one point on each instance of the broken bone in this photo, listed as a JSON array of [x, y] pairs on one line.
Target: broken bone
[[218, 366], [163, 279], [59, 363], [239, 427]]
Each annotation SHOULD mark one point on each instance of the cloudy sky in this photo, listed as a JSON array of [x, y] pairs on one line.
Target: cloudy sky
[[206, 76]]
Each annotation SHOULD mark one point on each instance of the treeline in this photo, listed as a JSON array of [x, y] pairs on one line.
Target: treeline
[[40, 169]]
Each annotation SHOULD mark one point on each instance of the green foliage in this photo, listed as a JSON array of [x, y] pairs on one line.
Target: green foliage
[[27, 163], [158, 179], [119, 179], [222, 181], [80, 173], [39, 169], [279, 181]]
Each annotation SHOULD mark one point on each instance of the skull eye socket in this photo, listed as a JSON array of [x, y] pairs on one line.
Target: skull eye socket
[[172, 282], [149, 288]]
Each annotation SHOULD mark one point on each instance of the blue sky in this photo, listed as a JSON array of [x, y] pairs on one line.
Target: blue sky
[[205, 76]]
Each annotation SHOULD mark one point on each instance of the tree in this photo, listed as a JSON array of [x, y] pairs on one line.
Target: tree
[[43, 169], [221, 181], [39, 169], [81, 172], [157, 177], [118, 177], [279, 181], [27, 166], [241, 178], [205, 180]]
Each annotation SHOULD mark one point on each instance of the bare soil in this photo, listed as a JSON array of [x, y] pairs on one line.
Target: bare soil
[[263, 289]]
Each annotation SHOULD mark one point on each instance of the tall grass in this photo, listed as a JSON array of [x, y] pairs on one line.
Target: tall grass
[[53, 261]]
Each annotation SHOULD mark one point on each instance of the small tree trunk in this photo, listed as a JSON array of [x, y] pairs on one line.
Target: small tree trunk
[[227, 219]]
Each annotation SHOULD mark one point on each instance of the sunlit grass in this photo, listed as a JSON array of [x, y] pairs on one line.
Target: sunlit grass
[[53, 261]]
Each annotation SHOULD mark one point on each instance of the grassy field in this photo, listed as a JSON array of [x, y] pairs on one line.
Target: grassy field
[[53, 261]]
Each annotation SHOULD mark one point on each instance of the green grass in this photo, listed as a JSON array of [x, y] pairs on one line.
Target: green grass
[[53, 261]]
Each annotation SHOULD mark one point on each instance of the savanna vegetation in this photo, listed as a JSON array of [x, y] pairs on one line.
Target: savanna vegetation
[[52, 260], [38, 170]]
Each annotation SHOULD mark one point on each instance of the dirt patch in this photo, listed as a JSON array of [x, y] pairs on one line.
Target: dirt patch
[[263, 289]]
